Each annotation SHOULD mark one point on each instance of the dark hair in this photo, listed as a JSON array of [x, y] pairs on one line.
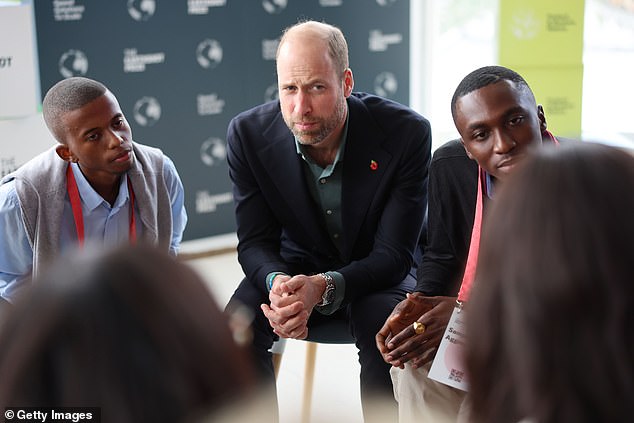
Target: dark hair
[[549, 329], [65, 96], [132, 331], [483, 77]]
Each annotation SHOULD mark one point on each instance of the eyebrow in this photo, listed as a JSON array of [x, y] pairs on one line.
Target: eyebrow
[[311, 81], [88, 131], [505, 115], [516, 109]]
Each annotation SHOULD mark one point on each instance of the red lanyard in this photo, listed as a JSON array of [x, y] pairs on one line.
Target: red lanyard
[[75, 203], [474, 246]]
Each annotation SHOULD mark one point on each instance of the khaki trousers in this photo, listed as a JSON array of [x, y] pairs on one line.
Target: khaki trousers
[[421, 399]]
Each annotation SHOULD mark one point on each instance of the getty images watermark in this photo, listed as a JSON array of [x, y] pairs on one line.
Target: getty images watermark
[[52, 414]]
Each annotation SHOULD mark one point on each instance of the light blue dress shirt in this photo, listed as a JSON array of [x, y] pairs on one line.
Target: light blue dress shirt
[[104, 225]]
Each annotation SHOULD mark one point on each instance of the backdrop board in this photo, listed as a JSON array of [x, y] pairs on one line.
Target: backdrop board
[[182, 69]]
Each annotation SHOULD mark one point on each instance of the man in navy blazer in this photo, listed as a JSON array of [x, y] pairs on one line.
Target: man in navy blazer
[[330, 191]]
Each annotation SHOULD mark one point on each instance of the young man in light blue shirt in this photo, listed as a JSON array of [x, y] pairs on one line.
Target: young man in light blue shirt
[[96, 188]]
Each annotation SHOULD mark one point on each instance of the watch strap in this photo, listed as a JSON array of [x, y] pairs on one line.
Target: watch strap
[[329, 293]]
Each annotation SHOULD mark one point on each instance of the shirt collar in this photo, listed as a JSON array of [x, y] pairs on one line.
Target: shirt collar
[[488, 184], [91, 198]]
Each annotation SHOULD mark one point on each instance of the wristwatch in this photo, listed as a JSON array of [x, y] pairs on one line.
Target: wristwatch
[[329, 293]]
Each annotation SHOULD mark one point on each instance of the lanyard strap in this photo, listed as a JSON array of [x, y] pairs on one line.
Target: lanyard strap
[[75, 204], [552, 138], [474, 246]]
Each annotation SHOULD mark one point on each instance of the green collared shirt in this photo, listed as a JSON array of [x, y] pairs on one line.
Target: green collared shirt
[[326, 191]]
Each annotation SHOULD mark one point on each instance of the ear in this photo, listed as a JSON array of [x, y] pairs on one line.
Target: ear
[[465, 149], [348, 82], [542, 118], [64, 153]]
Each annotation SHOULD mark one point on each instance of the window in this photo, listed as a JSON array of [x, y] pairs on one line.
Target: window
[[450, 38]]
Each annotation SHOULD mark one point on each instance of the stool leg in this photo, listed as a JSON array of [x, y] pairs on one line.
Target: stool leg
[[309, 376], [277, 362], [277, 350]]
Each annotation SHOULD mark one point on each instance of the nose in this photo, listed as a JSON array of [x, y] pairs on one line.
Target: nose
[[302, 103], [116, 139], [502, 142]]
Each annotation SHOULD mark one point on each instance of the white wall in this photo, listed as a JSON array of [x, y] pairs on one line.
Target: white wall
[[22, 131], [21, 139]]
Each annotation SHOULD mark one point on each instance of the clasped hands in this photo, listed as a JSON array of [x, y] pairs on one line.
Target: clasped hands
[[292, 301], [397, 340]]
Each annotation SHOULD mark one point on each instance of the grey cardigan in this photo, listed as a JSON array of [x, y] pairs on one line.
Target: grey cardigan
[[41, 188]]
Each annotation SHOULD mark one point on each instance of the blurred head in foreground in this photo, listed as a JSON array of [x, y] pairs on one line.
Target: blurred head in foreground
[[132, 331], [550, 323]]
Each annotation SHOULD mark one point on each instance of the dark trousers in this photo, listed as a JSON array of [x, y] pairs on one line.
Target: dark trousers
[[365, 317]]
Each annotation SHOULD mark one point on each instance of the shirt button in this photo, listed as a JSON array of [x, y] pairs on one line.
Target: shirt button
[[322, 181], [328, 212], [335, 236]]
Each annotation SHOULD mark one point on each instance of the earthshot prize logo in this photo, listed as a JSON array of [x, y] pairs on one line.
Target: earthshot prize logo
[[269, 48], [209, 53], [213, 151], [133, 61], [73, 63], [209, 104], [141, 10], [385, 84], [147, 111], [274, 6], [201, 7], [330, 3], [68, 11], [378, 41], [524, 24]]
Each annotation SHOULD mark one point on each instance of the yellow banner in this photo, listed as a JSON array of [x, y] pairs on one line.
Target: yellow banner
[[543, 41]]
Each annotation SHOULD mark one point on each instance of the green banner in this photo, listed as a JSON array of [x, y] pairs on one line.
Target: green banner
[[543, 41]]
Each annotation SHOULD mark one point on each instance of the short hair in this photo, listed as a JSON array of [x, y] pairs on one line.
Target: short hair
[[132, 330], [483, 77], [332, 35], [68, 95], [555, 271]]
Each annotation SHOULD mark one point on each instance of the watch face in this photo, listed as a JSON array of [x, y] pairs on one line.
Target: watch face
[[329, 295]]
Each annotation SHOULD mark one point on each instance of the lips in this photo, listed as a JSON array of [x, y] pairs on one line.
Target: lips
[[123, 156], [511, 161], [304, 126]]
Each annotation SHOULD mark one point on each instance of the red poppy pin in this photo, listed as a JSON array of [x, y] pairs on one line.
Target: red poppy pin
[[374, 165]]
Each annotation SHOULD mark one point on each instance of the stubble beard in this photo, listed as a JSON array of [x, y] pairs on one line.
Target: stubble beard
[[328, 125]]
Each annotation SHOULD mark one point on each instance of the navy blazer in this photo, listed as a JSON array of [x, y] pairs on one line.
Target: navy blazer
[[279, 225]]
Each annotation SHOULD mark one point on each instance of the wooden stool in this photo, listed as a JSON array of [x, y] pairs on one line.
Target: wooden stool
[[334, 331]]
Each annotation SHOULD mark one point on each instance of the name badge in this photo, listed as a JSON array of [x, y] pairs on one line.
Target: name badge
[[448, 365]]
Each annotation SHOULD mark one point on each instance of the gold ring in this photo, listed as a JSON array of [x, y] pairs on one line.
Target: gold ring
[[418, 327]]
